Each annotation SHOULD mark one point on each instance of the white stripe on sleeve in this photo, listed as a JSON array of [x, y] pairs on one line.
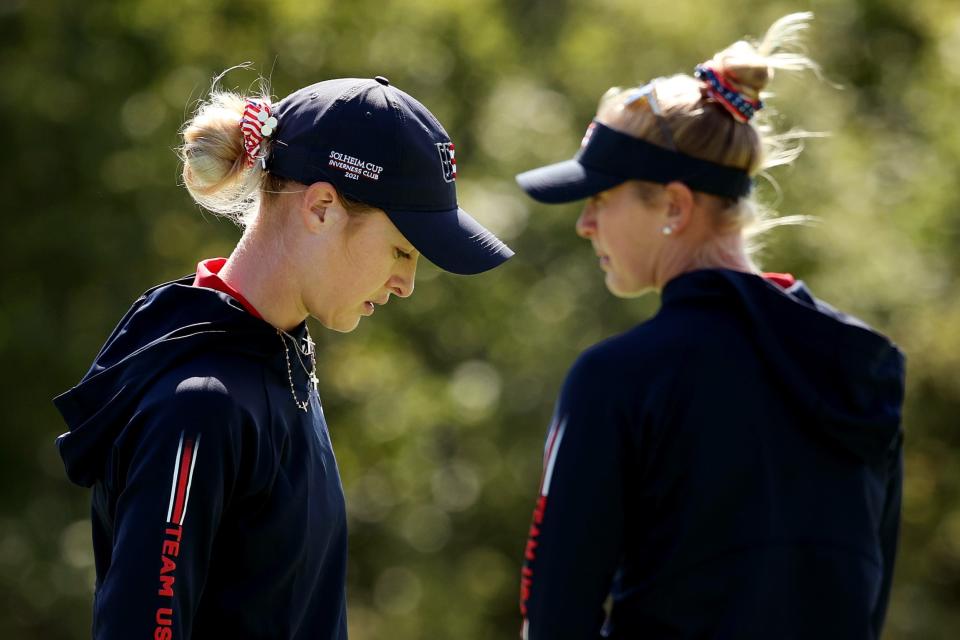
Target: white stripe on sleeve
[[548, 474], [193, 464], [173, 484]]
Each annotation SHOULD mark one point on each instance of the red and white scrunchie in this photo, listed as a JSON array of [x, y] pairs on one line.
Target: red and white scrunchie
[[256, 124]]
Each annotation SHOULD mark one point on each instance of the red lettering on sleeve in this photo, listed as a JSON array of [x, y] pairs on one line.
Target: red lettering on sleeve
[[170, 549], [168, 566], [166, 586]]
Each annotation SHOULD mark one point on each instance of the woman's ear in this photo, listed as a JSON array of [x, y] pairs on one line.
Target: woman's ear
[[680, 204], [320, 206]]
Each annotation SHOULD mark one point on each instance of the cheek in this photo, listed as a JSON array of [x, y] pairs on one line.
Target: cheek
[[377, 270], [368, 264], [626, 240], [634, 251]]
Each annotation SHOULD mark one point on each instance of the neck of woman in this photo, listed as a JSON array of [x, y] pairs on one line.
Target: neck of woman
[[259, 269], [727, 251]]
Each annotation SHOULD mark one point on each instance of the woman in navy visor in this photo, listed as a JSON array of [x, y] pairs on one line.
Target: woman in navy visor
[[730, 468]]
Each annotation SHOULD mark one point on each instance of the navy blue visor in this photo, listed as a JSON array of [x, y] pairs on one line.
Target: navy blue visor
[[608, 158]]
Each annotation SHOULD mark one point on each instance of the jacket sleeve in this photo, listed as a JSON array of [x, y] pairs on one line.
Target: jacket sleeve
[[174, 473], [889, 533], [576, 535]]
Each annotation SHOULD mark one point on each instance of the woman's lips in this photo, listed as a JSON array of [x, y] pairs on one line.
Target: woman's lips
[[369, 306]]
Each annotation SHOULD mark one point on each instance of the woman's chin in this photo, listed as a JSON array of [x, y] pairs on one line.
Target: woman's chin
[[622, 289], [342, 324]]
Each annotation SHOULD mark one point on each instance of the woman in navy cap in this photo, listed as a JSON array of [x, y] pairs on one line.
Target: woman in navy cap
[[217, 505], [730, 468]]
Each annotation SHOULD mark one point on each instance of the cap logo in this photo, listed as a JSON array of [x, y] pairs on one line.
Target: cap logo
[[448, 161], [354, 168]]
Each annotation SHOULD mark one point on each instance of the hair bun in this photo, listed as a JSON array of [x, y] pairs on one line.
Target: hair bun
[[215, 167], [744, 68]]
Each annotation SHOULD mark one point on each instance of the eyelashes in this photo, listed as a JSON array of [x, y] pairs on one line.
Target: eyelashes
[[401, 255]]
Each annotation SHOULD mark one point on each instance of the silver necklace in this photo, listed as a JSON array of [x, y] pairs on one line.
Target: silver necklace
[[310, 352]]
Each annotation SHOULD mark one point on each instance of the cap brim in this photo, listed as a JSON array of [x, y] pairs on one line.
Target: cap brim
[[452, 240], [565, 182]]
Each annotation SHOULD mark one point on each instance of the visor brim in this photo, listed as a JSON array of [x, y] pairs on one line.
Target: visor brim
[[565, 181]]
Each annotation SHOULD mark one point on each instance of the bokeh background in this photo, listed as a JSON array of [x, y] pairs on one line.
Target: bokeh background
[[438, 406]]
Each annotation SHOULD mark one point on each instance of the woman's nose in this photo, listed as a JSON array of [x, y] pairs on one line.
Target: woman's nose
[[403, 282], [587, 222]]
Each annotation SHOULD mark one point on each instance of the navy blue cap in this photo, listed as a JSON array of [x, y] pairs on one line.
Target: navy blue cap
[[608, 157], [380, 146]]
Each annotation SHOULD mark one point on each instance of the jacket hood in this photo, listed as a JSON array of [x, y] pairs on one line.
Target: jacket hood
[[165, 326], [847, 377]]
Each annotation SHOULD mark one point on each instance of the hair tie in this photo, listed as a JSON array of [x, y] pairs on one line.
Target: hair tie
[[256, 124], [740, 107]]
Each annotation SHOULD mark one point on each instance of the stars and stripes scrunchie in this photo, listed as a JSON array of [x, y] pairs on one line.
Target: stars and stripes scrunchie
[[256, 124], [740, 107]]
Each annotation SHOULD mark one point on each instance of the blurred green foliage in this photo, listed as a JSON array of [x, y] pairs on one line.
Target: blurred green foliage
[[438, 406]]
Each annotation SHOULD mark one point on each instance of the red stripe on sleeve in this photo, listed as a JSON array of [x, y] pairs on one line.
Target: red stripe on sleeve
[[182, 480], [551, 440]]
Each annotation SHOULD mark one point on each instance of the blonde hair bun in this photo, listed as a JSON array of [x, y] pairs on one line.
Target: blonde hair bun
[[744, 68], [215, 169]]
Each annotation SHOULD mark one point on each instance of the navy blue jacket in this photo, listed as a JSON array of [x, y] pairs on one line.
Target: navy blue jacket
[[217, 507], [730, 468]]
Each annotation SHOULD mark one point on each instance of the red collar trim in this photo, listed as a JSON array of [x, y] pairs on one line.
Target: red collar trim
[[782, 280], [207, 277]]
